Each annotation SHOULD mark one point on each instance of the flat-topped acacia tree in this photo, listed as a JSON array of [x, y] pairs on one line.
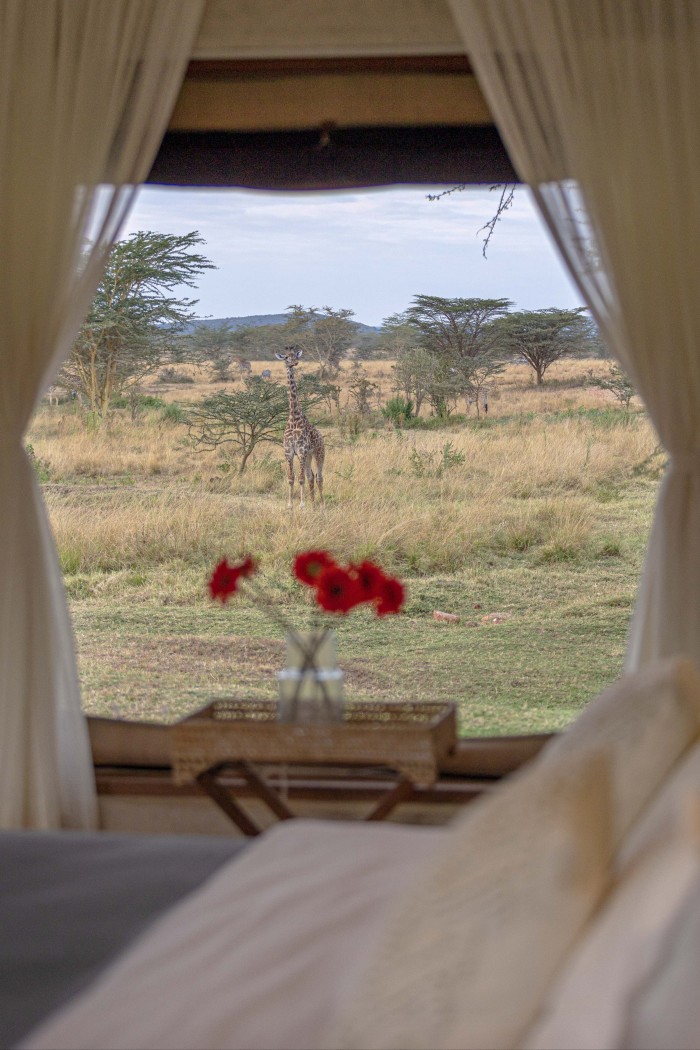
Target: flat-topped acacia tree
[[541, 337], [456, 328]]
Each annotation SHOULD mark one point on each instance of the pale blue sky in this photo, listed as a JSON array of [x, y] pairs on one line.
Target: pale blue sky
[[369, 251]]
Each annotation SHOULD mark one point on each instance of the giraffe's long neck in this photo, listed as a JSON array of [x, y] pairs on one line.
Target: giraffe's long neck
[[295, 412]]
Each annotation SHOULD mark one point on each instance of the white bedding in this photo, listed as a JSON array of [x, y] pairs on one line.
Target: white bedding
[[253, 945]]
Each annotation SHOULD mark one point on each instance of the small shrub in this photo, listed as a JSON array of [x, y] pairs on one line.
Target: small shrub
[[173, 413], [42, 467], [398, 411], [428, 465], [616, 383], [451, 457], [421, 463], [149, 401]]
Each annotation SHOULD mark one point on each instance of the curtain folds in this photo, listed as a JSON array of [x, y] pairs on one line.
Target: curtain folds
[[597, 103], [86, 90]]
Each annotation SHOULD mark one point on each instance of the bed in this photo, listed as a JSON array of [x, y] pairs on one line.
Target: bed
[[560, 910], [72, 901]]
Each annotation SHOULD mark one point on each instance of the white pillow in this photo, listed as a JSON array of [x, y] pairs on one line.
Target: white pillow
[[645, 722], [471, 947], [665, 1013], [621, 986], [659, 815]]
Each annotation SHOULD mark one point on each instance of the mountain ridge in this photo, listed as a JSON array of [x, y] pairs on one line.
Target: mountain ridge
[[258, 321]]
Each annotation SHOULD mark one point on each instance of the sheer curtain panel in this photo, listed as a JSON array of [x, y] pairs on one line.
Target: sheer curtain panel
[[598, 103], [86, 90]]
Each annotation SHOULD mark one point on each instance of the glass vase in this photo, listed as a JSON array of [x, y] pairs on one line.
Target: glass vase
[[311, 685]]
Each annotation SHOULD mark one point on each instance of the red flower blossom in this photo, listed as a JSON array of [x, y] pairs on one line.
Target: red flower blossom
[[224, 579], [309, 566], [369, 580], [247, 567], [337, 590], [391, 597]]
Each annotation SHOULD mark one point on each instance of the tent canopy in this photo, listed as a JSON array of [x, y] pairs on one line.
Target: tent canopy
[[322, 94]]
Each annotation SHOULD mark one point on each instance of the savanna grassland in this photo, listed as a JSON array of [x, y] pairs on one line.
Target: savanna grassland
[[529, 523]]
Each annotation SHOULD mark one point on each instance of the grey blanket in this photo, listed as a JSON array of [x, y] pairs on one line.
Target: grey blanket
[[71, 901]]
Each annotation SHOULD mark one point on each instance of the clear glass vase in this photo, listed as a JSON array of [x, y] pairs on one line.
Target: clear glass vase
[[311, 685]]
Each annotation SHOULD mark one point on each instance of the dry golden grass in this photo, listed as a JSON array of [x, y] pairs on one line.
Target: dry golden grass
[[130, 496]]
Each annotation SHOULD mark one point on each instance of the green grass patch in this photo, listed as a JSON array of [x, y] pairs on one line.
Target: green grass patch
[[527, 653]]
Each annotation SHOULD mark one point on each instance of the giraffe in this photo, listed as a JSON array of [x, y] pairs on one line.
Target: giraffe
[[301, 438]]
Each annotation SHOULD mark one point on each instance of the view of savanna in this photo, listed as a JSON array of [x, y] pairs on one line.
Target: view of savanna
[[491, 456]]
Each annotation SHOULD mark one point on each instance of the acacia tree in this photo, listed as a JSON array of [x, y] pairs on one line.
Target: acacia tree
[[242, 419], [325, 335], [472, 376], [541, 337], [413, 373], [245, 418], [456, 328], [134, 321], [397, 337]]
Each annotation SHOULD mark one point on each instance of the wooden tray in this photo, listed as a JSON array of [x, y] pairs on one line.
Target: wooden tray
[[410, 738]]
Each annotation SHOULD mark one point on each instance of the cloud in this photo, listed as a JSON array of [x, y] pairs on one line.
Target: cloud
[[369, 251]]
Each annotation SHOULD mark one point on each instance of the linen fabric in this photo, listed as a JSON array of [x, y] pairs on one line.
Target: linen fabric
[[597, 105], [603, 1000], [469, 950], [86, 90], [661, 812], [664, 1014], [262, 956], [644, 722], [71, 901]]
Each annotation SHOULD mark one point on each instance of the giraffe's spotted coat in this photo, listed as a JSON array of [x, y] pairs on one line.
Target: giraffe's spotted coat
[[301, 438]]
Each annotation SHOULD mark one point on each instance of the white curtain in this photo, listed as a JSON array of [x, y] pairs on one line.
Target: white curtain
[[86, 91], [598, 103]]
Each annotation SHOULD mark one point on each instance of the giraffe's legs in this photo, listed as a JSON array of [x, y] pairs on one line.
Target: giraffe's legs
[[310, 477], [290, 478], [319, 477], [304, 461]]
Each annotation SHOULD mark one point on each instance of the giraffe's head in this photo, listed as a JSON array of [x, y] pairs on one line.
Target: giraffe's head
[[290, 356]]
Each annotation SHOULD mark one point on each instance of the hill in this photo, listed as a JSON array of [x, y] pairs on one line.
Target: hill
[[258, 320]]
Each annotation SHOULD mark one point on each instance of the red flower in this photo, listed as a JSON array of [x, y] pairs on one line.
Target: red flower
[[337, 590], [391, 597], [247, 567], [309, 566], [224, 579], [369, 580]]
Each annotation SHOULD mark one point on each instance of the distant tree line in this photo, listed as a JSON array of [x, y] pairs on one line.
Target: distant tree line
[[443, 349]]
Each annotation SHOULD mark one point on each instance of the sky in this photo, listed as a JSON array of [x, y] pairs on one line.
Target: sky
[[369, 251]]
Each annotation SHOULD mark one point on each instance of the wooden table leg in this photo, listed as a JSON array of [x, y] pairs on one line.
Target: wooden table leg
[[265, 792], [401, 792], [223, 799]]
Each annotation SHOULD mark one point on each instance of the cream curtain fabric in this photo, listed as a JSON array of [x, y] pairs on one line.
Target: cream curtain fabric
[[599, 106], [86, 90]]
